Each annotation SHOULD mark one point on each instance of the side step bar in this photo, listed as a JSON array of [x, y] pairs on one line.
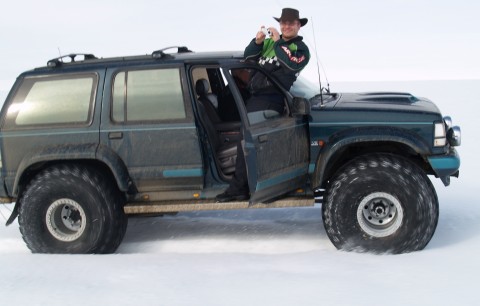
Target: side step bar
[[196, 205]]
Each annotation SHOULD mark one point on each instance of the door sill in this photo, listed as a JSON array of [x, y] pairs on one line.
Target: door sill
[[178, 206]]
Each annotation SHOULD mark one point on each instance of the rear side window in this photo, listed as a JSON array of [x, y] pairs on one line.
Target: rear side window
[[148, 95], [53, 100]]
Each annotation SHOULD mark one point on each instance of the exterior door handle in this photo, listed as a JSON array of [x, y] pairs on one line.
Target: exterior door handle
[[262, 138], [115, 135]]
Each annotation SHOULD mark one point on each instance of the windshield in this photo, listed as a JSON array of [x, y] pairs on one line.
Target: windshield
[[304, 88]]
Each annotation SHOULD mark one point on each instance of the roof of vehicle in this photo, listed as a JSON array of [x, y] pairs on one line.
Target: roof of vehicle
[[84, 60]]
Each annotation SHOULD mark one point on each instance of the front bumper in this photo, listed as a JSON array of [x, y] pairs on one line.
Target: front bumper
[[446, 165]]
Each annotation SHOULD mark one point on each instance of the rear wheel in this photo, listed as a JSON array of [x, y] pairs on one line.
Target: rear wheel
[[72, 209], [380, 203]]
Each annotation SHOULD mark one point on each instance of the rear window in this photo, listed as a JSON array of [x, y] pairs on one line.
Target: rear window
[[148, 95], [53, 100]]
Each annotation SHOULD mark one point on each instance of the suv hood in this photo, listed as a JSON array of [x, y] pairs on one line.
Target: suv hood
[[385, 101]]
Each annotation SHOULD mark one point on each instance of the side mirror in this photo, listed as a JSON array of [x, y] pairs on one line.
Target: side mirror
[[301, 107]]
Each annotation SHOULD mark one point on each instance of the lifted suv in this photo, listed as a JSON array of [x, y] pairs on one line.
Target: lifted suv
[[84, 143]]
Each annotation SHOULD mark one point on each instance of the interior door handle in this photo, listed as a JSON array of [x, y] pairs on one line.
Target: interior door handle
[[262, 138], [115, 135]]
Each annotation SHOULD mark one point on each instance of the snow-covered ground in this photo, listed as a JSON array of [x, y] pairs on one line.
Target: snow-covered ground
[[268, 257]]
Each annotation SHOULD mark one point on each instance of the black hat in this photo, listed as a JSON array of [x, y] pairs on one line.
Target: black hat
[[290, 14]]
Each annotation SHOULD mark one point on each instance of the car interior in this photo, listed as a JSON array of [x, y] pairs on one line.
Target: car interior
[[219, 116]]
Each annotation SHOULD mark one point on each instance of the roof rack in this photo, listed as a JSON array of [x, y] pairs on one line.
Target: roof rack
[[60, 60], [161, 54]]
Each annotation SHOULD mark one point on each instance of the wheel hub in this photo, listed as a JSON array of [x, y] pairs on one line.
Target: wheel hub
[[380, 214], [66, 220]]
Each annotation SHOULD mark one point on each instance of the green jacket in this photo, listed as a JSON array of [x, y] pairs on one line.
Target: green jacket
[[283, 59]]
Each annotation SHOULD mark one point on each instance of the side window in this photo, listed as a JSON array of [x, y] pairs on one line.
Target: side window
[[148, 95], [52, 100]]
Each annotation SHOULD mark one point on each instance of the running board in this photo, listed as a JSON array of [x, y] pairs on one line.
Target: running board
[[177, 206]]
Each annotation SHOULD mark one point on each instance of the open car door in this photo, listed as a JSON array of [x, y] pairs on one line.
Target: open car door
[[276, 154], [276, 150]]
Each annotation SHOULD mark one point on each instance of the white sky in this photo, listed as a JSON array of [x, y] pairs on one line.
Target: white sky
[[356, 40]]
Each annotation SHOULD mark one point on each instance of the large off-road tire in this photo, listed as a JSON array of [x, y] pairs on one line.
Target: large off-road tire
[[72, 209], [380, 203]]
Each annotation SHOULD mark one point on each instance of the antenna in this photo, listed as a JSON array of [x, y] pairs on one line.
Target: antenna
[[318, 66]]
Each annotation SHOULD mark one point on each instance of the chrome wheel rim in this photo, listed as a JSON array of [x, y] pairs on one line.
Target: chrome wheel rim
[[66, 220], [380, 214]]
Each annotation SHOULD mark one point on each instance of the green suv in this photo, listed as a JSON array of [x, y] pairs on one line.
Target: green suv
[[87, 141]]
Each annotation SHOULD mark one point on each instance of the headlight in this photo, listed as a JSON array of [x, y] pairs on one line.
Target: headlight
[[448, 122], [440, 135], [446, 132], [454, 136]]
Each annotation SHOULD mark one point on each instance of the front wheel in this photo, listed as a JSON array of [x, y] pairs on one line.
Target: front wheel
[[380, 203], [72, 209]]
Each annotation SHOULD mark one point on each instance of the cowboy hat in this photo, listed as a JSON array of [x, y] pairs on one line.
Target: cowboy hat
[[290, 14]]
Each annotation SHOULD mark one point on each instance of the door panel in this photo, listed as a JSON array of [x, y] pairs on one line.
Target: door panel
[[276, 148], [150, 126], [277, 157]]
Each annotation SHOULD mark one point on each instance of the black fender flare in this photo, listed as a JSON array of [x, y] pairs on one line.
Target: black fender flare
[[49, 154], [45, 155], [355, 136], [92, 152], [72, 153], [117, 166]]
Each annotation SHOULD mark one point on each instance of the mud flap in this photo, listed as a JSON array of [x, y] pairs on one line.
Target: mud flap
[[14, 215]]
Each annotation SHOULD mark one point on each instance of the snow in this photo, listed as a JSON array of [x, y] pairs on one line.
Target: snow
[[268, 257]]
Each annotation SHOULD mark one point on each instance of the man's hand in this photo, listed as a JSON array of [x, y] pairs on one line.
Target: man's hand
[[260, 37]]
